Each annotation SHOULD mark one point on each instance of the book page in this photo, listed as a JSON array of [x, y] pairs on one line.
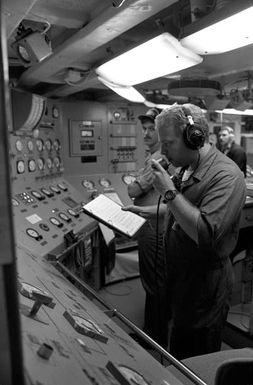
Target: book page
[[109, 212]]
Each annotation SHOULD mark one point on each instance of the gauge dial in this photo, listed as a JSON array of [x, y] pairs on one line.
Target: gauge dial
[[64, 217], [57, 162], [47, 192], [57, 145], [88, 184], [33, 233], [39, 144], [37, 195], [104, 182], [49, 163], [48, 144], [55, 222], [31, 165], [41, 164], [14, 202], [128, 178], [55, 189], [62, 186], [20, 166], [30, 145], [72, 212], [19, 145], [55, 112]]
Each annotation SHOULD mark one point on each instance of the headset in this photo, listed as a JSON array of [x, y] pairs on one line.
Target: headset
[[193, 134]]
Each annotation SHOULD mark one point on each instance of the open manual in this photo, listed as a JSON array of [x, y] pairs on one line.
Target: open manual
[[109, 212]]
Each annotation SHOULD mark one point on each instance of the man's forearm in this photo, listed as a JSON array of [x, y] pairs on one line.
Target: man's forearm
[[186, 215]]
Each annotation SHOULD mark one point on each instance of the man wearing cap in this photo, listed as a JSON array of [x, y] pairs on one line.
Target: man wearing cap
[[150, 238]]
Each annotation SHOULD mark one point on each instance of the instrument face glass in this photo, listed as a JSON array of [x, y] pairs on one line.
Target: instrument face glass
[[20, 166], [19, 145], [88, 184], [55, 221], [32, 233], [55, 112], [48, 144], [39, 144], [128, 178], [41, 164], [104, 182], [30, 145], [14, 202], [31, 165]]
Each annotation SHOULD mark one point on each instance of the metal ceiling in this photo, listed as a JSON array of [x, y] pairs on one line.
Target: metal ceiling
[[83, 34]]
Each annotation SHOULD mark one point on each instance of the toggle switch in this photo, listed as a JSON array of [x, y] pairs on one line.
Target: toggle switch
[[40, 299]]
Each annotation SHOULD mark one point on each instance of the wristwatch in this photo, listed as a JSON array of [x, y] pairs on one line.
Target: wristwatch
[[170, 195]]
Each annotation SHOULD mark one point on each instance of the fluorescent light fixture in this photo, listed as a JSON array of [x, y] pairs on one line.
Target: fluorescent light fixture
[[233, 111], [157, 57], [129, 93], [230, 33]]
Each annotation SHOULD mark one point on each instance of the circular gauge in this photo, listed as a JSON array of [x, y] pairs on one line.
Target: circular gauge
[[37, 195], [33, 233], [30, 145], [14, 202], [39, 144], [19, 145], [31, 165], [55, 189], [41, 164], [47, 192], [64, 217], [88, 184], [20, 166], [49, 163], [55, 222], [55, 112], [128, 178], [132, 376], [57, 145], [104, 182], [28, 290], [57, 162], [72, 212], [62, 186], [48, 144]]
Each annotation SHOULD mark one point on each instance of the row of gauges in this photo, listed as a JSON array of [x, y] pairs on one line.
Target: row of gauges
[[106, 183], [41, 163], [28, 198], [49, 145]]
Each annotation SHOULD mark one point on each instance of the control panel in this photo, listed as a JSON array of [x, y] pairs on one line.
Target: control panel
[[67, 338]]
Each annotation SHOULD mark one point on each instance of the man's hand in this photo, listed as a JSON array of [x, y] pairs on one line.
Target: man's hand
[[162, 181]]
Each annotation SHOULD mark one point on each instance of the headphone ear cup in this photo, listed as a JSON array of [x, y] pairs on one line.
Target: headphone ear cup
[[193, 136]]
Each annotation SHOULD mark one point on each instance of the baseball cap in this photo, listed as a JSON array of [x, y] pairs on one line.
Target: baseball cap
[[150, 114]]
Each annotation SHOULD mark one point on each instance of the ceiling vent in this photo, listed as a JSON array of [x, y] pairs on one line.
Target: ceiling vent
[[198, 88]]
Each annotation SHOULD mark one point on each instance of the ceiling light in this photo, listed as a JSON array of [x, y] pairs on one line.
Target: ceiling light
[[225, 35], [157, 57], [127, 92], [233, 111]]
